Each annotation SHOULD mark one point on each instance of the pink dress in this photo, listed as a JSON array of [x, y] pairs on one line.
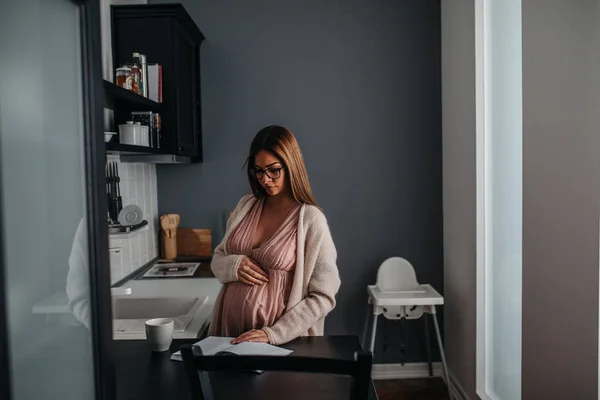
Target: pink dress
[[240, 307]]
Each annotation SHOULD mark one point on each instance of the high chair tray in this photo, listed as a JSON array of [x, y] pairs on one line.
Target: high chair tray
[[428, 296]]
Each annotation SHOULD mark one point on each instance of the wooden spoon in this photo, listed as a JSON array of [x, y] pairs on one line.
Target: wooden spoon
[[165, 224], [173, 224]]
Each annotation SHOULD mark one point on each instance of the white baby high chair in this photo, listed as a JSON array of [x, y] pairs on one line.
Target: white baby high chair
[[398, 295]]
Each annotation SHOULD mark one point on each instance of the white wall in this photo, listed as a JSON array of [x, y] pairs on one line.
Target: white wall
[[458, 141]]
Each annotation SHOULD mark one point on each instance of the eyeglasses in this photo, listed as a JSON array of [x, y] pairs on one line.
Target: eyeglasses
[[272, 172]]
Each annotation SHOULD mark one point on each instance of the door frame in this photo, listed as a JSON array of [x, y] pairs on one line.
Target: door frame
[[484, 210], [95, 197], [5, 383], [482, 151]]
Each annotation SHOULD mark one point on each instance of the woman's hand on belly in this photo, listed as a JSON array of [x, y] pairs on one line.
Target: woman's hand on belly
[[255, 336], [251, 274]]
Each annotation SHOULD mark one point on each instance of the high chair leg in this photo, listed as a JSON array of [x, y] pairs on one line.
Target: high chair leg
[[439, 340], [366, 327], [373, 332]]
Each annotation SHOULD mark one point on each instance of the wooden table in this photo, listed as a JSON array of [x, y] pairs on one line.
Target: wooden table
[[141, 374]]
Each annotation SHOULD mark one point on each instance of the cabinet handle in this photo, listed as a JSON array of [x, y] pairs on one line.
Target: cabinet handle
[[181, 148]]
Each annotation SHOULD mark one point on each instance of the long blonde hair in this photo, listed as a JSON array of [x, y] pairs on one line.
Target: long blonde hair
[[283, 144]]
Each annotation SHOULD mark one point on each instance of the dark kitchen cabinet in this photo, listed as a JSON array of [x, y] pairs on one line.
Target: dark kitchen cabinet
[[167, 35]]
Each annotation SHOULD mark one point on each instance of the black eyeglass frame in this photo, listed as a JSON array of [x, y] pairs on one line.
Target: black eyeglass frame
[[258, 173]]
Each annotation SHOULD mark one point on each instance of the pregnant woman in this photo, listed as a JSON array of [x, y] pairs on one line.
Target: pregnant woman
[[277, 260]]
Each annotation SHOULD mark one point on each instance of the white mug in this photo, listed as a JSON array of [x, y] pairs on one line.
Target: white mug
[[159, 333]]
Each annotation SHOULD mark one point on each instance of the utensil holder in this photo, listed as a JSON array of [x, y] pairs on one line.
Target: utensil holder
[[169, 246]]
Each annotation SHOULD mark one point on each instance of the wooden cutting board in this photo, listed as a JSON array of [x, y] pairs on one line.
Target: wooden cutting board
[[194, 242]]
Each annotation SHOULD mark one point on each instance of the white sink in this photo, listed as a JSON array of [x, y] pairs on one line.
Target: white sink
[[131, 313], [158, 307]]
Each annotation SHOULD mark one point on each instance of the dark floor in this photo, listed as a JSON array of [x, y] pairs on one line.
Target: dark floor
[[411, 389]]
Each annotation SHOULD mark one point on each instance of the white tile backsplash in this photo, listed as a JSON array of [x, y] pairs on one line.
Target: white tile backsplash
[[116, 268], [125, 255], [138, 186], [143, 245]]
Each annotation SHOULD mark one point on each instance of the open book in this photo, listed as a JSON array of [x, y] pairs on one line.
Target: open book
[[215, 346]]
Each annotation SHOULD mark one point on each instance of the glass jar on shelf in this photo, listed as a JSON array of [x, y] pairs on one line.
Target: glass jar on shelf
[[124, 78], [136, 72]]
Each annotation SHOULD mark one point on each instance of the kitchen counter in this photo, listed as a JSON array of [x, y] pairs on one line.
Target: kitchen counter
[[57, 304], [175, 287]]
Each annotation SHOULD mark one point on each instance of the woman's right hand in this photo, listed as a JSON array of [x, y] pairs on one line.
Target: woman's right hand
[[251, 274]]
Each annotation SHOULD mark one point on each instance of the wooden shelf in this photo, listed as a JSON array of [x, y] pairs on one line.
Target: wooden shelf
[[121, 99], [126, 149]]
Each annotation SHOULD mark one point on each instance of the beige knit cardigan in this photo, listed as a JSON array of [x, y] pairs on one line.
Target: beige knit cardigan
[[316, 277]]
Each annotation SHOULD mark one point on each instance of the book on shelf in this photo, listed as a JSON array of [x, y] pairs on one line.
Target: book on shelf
[[154, 72]]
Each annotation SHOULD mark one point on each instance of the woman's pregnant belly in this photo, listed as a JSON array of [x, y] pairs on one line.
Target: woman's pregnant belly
[[255, 307]]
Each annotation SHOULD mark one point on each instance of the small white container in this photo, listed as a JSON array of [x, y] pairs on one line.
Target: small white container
[[138, 133], [129, 134], [145, 136]]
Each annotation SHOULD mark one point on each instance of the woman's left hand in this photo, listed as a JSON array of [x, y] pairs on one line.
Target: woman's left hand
[[255, 335]]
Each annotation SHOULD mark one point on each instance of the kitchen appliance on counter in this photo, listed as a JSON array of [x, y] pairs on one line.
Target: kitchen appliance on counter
[[171, 270], [177, 269]]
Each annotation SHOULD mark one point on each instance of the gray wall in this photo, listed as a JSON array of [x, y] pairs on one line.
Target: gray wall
[[458, 124], [561, 173], [359, 84]]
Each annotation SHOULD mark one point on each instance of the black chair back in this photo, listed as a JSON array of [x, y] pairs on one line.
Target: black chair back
[[198, 366]]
